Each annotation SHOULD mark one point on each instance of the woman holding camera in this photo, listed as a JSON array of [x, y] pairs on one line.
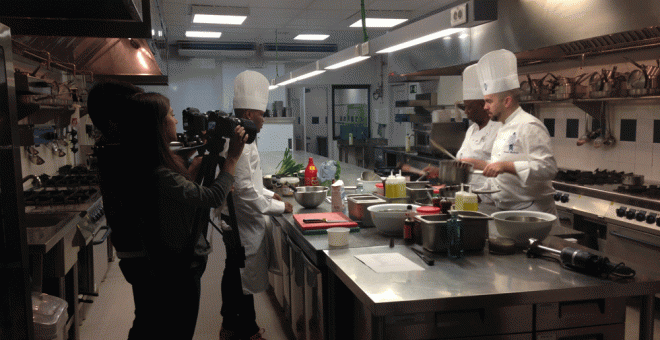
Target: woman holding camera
[[167, 208]]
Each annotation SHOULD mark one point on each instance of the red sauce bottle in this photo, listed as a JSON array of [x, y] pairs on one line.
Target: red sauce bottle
[[311, 178]]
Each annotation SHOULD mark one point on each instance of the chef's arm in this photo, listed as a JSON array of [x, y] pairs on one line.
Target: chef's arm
[[479, 164], [540, 164], [245, 190], [496, 168]]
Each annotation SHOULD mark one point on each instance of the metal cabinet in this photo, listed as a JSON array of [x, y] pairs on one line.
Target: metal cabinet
[[460, 323], [633, 246], [275, 275], [574, 314], [313, 302], [297, 283], [605, 332]]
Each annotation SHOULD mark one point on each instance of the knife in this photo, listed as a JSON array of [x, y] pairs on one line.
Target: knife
[[322, 220]]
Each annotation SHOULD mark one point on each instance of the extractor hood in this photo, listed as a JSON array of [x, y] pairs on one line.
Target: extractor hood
[[110, 39], [538, 32]]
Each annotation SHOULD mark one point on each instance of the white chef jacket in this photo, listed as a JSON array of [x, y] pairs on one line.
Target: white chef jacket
[[525, 141], [253, 205], [478, 144]]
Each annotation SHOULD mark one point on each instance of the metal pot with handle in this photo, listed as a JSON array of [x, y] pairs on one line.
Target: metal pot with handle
[[455, 172], [632, 179]]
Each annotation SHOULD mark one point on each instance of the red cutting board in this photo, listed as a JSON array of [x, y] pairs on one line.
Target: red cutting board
[[330, 216]]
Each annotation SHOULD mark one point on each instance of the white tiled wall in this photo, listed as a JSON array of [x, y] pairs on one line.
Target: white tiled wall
[[641, 157]]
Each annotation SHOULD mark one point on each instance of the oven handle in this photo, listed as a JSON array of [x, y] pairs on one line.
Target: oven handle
[[614, 233], [107, 233]]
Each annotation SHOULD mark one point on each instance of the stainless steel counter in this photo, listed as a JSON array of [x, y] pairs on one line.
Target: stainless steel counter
[[476, 280]]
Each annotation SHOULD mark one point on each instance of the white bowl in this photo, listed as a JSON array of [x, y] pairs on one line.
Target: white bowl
[[522, 231], [388, 218]]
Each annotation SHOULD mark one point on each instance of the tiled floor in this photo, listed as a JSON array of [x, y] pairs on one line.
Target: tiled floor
[[111, 315]]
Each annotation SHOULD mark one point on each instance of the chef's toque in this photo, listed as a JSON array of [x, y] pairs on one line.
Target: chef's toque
[[471, 88], [251, 91], [498, 72]]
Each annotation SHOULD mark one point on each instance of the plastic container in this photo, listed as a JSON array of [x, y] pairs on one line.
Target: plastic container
[[466, 200], [395, 186], [311, 178], [287, 182], [380, 189], [49, 316], [338, 236], [369, 186]]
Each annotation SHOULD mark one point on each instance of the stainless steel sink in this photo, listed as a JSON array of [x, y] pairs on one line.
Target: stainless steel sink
[[44, 230], [46, 220]]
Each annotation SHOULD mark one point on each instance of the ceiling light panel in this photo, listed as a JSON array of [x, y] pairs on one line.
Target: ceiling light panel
[[316, 37], [215, 15], [380, 22], [203, 34]]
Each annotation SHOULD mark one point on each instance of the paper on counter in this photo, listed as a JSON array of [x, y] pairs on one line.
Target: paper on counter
[[388, 262]]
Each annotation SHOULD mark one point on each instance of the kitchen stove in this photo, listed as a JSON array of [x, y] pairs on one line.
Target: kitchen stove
[[620, 220], [75, 190]]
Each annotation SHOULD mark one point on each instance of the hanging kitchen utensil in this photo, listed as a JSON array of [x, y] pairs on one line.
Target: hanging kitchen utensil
[[584, 139], [439, 147]]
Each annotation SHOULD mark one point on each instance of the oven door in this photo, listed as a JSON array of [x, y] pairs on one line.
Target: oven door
[[633, 246], [595, 231]]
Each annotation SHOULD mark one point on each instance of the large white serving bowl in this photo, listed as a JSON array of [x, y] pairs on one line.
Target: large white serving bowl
[[521, 225], [388, 218]]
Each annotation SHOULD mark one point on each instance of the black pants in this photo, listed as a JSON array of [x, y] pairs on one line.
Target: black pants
[[237, 311], [166, 297]]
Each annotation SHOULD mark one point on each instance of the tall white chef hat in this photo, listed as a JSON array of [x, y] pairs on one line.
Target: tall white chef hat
[[251, 91], [471, 88], [498, 72]]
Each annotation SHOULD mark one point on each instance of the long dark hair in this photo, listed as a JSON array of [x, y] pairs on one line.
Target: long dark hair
[[150, 112]]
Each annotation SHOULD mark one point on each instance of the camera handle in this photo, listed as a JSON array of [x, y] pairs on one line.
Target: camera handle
[[206, 176]]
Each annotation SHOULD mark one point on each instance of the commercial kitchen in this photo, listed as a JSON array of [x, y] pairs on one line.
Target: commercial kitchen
[[371, 99]]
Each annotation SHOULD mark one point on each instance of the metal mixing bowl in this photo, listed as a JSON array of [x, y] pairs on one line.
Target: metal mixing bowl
[[310, 196]]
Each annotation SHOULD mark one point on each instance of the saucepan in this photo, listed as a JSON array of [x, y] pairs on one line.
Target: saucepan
[[632, 179]]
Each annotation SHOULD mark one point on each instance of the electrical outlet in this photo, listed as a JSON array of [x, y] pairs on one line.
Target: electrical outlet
[[459, 15]]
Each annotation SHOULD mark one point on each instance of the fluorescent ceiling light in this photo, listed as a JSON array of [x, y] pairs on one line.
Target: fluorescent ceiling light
[[379, 22], [310, 74], [346, 62], [272, 87], [218, 19], [311, 37], [287, 82], [346, 57], [464, 35], [421, 40], [219, 15], [203, 34]]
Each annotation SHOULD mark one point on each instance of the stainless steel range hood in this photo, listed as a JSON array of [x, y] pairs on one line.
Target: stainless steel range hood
[[109, 39], [539, 32]]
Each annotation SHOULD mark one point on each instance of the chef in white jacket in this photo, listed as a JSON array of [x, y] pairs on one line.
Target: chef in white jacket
[[481, 134], [522, 162], [253, 204]]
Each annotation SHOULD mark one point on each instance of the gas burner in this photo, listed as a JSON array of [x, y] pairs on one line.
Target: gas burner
[[59, 196], [589, 177]]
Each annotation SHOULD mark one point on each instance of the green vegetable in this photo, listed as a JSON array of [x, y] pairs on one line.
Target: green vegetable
[[288, 166], [338, 170]]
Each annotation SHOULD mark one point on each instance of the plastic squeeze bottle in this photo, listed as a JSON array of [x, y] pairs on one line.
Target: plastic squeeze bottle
[[311, 179], [470, 201], [400, 186], [460, 199], [390, 186]]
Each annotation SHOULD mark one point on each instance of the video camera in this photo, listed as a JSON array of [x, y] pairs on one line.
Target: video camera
[[215, 123]]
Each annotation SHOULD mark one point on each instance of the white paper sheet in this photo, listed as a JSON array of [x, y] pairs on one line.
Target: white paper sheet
[[388, 262]]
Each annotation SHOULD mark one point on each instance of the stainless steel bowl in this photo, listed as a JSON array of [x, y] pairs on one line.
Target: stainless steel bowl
[[310, 196]]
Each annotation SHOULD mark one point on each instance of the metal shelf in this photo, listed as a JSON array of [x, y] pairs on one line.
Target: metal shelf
[[595, 107]]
